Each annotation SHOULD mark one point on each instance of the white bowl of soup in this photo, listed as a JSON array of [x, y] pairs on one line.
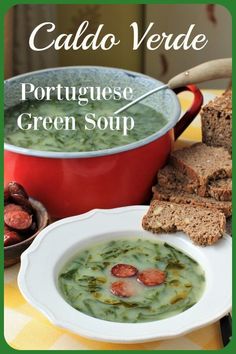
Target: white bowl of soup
[[65, 145], [109, 280]]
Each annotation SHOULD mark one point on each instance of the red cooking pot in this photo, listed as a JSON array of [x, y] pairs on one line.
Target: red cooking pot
[[73, 183]]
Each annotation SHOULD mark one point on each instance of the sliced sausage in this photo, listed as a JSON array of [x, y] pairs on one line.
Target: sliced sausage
[[122, 289], [12, 207], [16, 188], [151, 277], [123, 270], [18, 219], [11, 237], [21, 200]]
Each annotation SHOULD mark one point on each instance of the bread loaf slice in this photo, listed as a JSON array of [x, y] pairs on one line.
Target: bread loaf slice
[[204, 226], [202, 164], [216, 117], [170, 178], [221, 189], [182, 197]]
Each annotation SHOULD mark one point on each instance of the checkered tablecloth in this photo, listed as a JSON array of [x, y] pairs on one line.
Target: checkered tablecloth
[[26, 328]]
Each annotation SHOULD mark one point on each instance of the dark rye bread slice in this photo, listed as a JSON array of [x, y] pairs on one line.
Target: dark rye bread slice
[[221, 189], [203, 226], [216, 117], [202, 164], [182, 197], [170, 178]]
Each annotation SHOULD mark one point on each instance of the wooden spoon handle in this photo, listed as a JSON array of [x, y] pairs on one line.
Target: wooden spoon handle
[[211, 70]]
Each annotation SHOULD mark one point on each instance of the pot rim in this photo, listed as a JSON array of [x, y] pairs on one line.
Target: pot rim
[[105, 152]]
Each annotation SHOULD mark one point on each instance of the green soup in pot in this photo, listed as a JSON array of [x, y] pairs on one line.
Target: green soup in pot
[[147, 121], [86, 281]]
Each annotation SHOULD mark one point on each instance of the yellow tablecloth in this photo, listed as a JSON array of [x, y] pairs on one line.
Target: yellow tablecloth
[[26, 328]]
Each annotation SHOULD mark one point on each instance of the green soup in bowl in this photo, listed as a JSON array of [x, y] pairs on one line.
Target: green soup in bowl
[[87, 282]]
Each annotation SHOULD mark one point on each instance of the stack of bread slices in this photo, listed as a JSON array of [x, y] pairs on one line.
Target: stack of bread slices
[[193, 194]]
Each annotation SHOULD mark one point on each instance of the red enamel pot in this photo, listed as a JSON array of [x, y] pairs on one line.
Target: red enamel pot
[[73, 183]]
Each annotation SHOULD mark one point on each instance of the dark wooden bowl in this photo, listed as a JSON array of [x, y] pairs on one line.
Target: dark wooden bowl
[[12, 253]]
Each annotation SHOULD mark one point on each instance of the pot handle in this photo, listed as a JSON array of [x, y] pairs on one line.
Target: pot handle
[[191, 113]]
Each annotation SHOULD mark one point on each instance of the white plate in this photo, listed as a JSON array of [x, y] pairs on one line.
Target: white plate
[[56, 244]]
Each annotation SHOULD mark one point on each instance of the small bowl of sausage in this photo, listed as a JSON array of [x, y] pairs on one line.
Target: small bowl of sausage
[[24, 218]]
